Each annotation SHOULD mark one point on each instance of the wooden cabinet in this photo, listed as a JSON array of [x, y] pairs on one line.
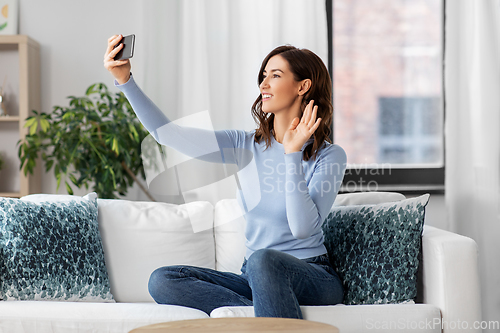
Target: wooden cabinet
[[20, 69]]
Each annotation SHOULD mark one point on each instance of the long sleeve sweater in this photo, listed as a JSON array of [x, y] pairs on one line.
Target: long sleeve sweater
[[285, 199]]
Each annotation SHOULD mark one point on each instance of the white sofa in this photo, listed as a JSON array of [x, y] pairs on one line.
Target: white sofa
[[138, 237]]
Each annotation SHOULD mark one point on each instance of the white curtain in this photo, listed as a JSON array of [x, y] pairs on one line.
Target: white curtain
[[472, 132], [201, 55]]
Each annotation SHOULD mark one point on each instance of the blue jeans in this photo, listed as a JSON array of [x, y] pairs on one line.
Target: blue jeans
[[274, 282]]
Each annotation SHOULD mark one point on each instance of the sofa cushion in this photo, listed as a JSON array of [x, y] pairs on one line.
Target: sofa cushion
[[73, 317], [139, 237], [361, 318], [375, 248], [52, 251]]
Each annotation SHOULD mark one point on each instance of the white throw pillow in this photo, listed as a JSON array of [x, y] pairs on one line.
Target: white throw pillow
[[139, 237], [229, 236]]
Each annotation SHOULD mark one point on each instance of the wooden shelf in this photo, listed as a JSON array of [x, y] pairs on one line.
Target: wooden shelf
[[24, 53], [10, 194], [17, 39], [9, 118]]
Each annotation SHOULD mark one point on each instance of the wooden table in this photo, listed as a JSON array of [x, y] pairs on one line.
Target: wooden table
[[240, 325]]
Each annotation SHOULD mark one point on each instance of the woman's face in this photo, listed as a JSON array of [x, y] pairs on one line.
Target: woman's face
[[279, 89]]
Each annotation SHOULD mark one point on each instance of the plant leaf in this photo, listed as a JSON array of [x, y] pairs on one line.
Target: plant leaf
[[44, 124], [33, 128], [115, 146], [133, 131], [69, 189], [67, 115], [58, 177], [30, 121], [112, 176], [73, 179], [49, 164], [91, 89]]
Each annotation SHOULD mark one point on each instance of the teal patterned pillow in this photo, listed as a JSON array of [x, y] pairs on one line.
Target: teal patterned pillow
[[375, 249], [52, 251]]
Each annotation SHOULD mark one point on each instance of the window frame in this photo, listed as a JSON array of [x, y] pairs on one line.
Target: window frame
[[406, 180]]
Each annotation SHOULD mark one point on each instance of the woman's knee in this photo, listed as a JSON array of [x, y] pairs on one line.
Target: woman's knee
[[263, 261], [161, 277]]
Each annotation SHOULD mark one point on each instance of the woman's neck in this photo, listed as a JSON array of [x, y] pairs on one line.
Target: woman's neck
[[282, 121]]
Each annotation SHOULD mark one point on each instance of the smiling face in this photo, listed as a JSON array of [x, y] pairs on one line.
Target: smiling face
[[279, 90]]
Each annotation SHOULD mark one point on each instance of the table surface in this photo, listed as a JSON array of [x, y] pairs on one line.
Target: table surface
[[240, 325]]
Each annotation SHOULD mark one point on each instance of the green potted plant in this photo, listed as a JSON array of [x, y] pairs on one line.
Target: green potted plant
[[97, 138]]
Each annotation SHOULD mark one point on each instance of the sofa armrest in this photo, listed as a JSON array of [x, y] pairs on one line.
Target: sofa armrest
[[450, 278]]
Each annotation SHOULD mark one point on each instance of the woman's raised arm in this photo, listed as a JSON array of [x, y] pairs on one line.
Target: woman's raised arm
[[194, 142]]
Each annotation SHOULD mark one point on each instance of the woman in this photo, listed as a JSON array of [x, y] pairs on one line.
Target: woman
[[299, 173]]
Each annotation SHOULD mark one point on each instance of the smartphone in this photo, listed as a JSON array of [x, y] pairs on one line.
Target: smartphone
[[127, 51]]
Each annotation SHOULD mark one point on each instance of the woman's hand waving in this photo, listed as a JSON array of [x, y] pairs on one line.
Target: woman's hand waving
[[300, 131], [120, 69]]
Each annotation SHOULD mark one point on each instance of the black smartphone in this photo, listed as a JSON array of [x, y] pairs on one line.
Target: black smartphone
[[127, 51]]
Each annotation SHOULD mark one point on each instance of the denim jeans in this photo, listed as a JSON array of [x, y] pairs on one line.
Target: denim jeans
[[274, 282]]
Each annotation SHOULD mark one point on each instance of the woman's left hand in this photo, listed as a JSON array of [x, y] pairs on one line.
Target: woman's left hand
[[300, 131]]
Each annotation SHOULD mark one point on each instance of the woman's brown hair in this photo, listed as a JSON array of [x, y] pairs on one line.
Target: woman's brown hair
[[304, 64]]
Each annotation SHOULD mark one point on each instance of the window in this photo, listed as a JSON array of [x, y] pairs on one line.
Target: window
[[387, 62], [410, 130]]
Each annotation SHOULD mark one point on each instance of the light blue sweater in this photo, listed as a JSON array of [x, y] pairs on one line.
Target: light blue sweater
[[285, 199]]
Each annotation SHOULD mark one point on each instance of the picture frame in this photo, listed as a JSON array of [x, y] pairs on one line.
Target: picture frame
[[9, 17]]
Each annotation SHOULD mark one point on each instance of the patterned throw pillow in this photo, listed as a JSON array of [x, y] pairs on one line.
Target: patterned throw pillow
[[375, 249], [52, 251]]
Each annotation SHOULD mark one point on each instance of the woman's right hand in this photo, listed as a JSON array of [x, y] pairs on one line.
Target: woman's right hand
[[120, 69]]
